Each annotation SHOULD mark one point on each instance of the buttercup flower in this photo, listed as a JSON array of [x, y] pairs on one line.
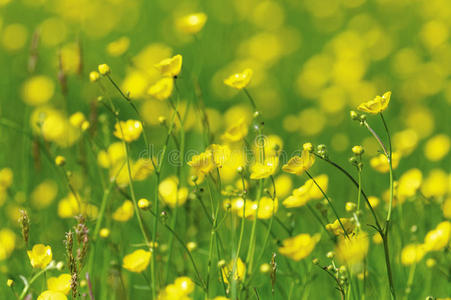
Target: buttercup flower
[[202, 163], [352, 250], [267, 207], [124, 212], [300, 246], [239, 80], [380, 162], [438, 238], [297, 165], [412, 253], [267, 168], [7, 243], [192, 23], [336, 228], [170, 67], [60, 283], [94, 76], [40, 256], [136, 261], [104, 69], [171, 194], [220, 154], [162, 89], [128, 131], [236, 132], [377, 105], [52, 295], [234, 270]]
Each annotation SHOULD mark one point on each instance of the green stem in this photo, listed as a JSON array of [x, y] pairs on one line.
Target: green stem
[[253, 238]]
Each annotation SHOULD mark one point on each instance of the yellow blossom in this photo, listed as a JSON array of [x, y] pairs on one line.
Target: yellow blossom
[[192, 23], [136, 261], [104, 69], [124, 212], [162, 89], [437, 147], [220, 154], [267, 207], [297, 165], [234, 271], [40, 256], [143, 203], [94, 76], [128, 131], [171, 193], [438, 238], [203, 163], [300, 246], [353, 250], [306, 192], [7, 243], [264, 170], [336, 228], [38, 90], [118, 47], [436, 184], [377, 105], [408, 184], [170, 67], [71, 206], [60, 283], [236, 132], [239, 80], [380, 162], [52, 295], [44, 194], [412, 253], [104, 233]]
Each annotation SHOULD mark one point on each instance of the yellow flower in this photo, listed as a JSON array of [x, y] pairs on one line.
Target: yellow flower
[[44, 194], [412, 253], [70, 206], [336, 228], [94, 76], [220, 154], [284, 184], [124, 212], [300, 246], [202, 163], [436, 184], [9, 282], [78, 120], [171, 193], [162, 89], [136, 261], [128, 131], [239, 80], [170, 67], [438, 238], [236, 132], [377, 105], [7, 243], [267, 168], [118, 47], [104, 69], [437, 147], [179, 290], [267, 207], [60, 160], [192, 23], [104, 233], [38, 90], [297, 165], [380, 162], [233, 271], [52, 295], [6, 177], [40, 256], [306, 192], [60, 283], [184, 284], [408, 184], [353, 250], [143, 203]]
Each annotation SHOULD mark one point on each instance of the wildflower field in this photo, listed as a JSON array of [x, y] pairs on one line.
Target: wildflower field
[[226, 149]]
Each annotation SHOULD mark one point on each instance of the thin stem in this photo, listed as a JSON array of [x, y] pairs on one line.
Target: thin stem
[[251, 100], [329, 202], [253, 238]]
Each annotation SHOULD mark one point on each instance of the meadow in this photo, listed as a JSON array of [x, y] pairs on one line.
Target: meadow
[[227, 149]]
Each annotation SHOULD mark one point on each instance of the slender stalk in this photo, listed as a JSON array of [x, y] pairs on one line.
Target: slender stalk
[[251, 100], [329, 202], [253, 238]]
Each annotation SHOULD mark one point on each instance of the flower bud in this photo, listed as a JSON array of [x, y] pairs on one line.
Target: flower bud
[[350, 206], [357, 150], [10, 282], [94, 76], [143, 203], [354, 115], [308, 147], [330, 254], [60, 160], [104, 69]]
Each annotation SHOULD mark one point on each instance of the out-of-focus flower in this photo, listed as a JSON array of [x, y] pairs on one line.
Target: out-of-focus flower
[[7, 243], [336, 228], [412, 253], [267, 207], [380, 162], [78, 120], [128, 131], [70, 206], [241, 80], [180, 289], [436, 184], [300, 246], [104, 233], [170, 67], [94, 76], [377, 105], [171, 193], [60, 283], [264, 170], [352, 250], [202, 163], [162, 89], [308, 191], [52, 295], [408, 184], [297, 165], [104, 69], [124, 212], [143, 203], [236, 132], [137, 261], [40, 256], [118, 47], [192, 23], [38, 90], [234, 271], [220, 154], [438, 238], [44, 194], [437, 147]]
